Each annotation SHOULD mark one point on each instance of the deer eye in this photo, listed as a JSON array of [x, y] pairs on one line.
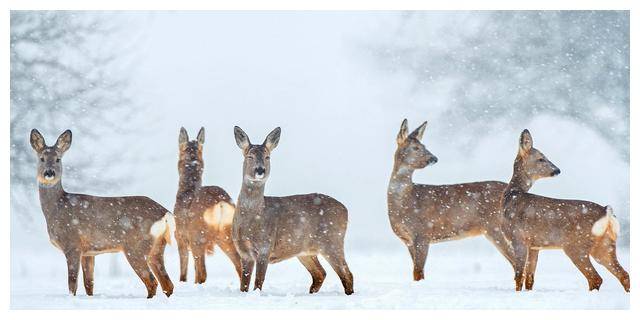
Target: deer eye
[[267, 157], [41, 159], [416, 148], [57, 159], [540, 160]]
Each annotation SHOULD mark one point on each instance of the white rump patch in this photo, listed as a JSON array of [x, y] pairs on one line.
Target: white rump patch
[[600, 227], [609, 221], [220, 215], [614, 222], [164, 227]]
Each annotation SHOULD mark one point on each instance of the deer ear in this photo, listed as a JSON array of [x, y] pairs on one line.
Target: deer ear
[[37, 141], [526, 142], [404, 132], [64, 141], [242, 140], [271, 142], [419, 131], [184, 136], [201, 136]]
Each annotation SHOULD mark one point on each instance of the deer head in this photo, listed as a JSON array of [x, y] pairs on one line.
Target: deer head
[[257, 165], [190, 152], [531, 162], [411, 153], [50, 158]]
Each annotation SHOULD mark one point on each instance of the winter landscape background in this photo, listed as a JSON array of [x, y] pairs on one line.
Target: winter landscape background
[[339, 85]]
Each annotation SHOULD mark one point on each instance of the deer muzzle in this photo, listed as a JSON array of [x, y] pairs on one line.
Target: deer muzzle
[[259, 173], [49, 174]]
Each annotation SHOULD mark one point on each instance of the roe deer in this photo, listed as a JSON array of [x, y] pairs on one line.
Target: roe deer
[[272, 229], [203, 213], [423, 214], [580, 228], [83, 226]]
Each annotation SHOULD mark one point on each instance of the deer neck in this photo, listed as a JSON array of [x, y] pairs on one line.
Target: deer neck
[[190, 181], [520, 182], [401, 182], [50, 196], [251, 198]]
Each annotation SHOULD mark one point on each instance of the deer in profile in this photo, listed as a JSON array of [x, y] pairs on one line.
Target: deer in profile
[[83, 226], [423, 214], [203, 213], [272, 229], [533, 223]]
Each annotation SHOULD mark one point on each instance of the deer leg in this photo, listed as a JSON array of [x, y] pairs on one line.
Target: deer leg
[[247, 269], [87, 263], [419, 252], [316, 270], [500, 241], [156, 262], [139, 264], [580, 259], [530, 269], [262, 262], [183, 252], [198, 252], [339, 265], [605, 254], [520, 251], [73, 264], [229, 249]]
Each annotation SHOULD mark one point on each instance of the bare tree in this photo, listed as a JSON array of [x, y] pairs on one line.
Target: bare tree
[[64, 75], [512, 65]]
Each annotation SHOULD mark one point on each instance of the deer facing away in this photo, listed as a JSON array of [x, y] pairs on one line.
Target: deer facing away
[[83, 226], [533, 223], [272, 229], [423, 214], [203, 213]]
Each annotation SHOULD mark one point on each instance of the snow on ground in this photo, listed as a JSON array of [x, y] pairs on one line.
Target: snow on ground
[[467, 274]]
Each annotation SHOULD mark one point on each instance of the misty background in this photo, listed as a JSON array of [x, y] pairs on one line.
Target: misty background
[[338, 84]]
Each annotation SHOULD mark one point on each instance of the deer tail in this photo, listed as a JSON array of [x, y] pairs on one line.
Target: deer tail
[[607, 225], [164, 227]]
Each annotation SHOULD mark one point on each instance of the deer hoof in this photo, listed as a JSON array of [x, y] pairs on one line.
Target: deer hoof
[[595, 285], [529, 285]]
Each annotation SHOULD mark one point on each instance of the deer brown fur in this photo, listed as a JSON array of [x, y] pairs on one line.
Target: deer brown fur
[[272, 229], [203, 213], [423, 214], [83, 226], [533, 223]]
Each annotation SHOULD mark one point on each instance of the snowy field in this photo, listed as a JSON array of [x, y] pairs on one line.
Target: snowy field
[[467, 274]]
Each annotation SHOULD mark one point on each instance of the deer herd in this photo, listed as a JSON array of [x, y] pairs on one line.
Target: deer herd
[[259, 230]]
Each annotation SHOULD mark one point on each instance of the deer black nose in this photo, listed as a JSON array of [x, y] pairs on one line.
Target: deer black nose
[[49, 173], [555, 172], [432, 160], [260, 170]]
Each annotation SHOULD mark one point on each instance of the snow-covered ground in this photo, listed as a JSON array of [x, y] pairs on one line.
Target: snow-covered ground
[[465, 274]]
